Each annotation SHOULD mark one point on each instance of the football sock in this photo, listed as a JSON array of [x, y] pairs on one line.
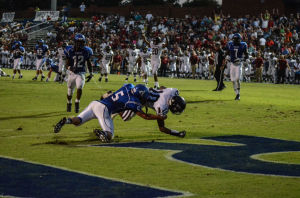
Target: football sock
[[69, 121], [156, 84], [77, 101]]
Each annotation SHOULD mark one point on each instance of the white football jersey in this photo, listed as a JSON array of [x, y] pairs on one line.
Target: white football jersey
[[156, 51], [60, 53], [145, 57], [161, 106], [133, 55], [106, 57]]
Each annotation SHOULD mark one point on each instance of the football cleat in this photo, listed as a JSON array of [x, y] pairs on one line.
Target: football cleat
[[182, 134], [237, 97], [76, 107], [59, 125], [88, 78], [106, 79], [100, 79], [102, 135], [134, 80], [35, 78], [69, 107], [42, 78], [21, 76]]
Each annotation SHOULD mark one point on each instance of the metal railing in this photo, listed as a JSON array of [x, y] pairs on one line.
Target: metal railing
[[32, 31]]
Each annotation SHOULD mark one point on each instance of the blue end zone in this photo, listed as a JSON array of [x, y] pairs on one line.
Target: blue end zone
[[23, 179], [233, 158]]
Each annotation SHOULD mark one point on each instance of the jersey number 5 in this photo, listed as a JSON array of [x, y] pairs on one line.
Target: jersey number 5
[[117, 95]]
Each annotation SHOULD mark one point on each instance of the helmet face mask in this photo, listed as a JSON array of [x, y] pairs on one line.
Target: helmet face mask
[[107, 48], [41, 42], [79, 41], [237, 38], [157, 40], [177, 105], [145, 49]]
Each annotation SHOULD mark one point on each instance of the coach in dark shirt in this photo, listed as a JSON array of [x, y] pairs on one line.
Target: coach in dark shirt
[[220, 62]]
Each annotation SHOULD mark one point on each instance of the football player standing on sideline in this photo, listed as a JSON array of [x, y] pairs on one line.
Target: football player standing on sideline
[[156, 46], [18, 54], [237, 50], [77, 57], [128, 97], [41, 51]]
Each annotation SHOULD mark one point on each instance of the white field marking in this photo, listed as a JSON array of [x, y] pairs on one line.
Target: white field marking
[[258, 157], [170, 157], [184, 193]]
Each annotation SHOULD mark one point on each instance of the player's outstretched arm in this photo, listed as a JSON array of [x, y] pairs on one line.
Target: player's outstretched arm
[[145, 39], [162, 128], [150, 116]]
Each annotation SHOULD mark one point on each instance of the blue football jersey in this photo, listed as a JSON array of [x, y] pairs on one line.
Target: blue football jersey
[[77, 59], [16, 50], [41, 51], [53, 65], [122, 100], [236, 51]]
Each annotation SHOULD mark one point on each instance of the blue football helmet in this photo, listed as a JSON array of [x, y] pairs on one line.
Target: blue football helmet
[[79, 41], [19, 43], [237, 38], [41, 42], [79, 37], [177, 104], [141, 92]]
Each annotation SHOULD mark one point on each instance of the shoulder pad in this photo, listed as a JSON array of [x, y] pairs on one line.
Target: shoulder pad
[[88, 49]]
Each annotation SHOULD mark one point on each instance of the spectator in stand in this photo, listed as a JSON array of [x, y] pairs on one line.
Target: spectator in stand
[[164, 64], [259, 63], [282, 67], [194, 62], [117, 59]]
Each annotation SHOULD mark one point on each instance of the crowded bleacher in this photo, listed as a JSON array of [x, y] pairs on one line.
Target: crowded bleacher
[[272, 37]]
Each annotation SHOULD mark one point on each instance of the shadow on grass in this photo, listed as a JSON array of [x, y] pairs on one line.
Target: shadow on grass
[[207, 101], [40, 115]]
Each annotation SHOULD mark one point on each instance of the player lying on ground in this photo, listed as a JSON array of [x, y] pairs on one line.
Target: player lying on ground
[[3, 74], [128, 97], [162, 101]]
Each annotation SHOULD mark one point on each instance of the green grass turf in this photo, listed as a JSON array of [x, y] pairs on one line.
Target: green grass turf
[[265, 110]]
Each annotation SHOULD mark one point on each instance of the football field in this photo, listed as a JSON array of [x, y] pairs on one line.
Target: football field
[[233, 149]]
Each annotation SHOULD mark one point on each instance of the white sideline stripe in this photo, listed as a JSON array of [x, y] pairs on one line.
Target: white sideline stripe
[[184, 193], [257, 157], [170, 157]]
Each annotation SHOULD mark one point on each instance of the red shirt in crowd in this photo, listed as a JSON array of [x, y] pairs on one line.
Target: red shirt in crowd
[[117, 58], [259, 61], [282, 64], [194, 59], [165, 60]]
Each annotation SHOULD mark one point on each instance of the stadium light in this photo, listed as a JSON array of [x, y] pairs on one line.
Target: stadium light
[[53, 5]]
